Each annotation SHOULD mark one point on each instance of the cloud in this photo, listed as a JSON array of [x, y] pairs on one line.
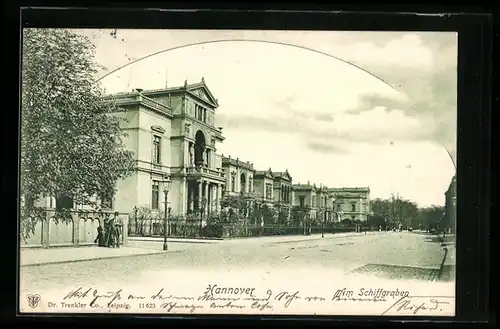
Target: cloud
[[330, 132], [431, 90], [325, 147]]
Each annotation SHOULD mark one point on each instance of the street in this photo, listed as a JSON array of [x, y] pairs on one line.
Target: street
[[393, 255]]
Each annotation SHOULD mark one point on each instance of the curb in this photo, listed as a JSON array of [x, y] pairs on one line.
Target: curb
[[215, 240], [97, 258]]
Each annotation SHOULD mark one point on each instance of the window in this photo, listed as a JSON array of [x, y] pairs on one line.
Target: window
[[243, 183], [353, 207], [314, 201], [269, 188], [302, 201], [156, 149], [233, 183], [201, 113], [155, 195], [250, 185], [64, 202], [338, 207]]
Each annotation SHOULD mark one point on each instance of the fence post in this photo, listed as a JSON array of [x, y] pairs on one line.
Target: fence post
[[125, 229], [76, 228], [45, 228]]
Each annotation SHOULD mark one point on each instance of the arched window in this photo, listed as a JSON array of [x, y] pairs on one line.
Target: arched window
[[199, 148], [243, 183]]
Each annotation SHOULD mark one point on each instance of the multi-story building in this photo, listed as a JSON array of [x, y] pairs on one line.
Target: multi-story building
[[306, 197], [283, 194], [282, 186], [264, 186], [239, 176], [451, 205], [172, 134], [351, 203], [325, 204]]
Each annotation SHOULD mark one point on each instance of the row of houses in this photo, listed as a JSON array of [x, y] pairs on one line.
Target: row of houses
[[173, 135], [276, 188]]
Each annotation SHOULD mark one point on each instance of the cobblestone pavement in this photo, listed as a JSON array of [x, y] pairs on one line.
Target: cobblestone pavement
[[343, 253]]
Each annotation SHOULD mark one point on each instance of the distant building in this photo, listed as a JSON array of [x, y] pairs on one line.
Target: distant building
[[325, 205], [239, 176], [306, 197], [351, 202], [451, 205], [274, 189], [283, 195], [264, 186]]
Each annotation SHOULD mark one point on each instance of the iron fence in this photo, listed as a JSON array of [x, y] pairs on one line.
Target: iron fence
[[196, 228]]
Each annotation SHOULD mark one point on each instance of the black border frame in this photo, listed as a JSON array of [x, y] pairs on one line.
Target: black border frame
[[474, 116]]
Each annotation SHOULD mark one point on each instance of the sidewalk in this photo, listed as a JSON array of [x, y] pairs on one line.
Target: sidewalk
[[41, 256]]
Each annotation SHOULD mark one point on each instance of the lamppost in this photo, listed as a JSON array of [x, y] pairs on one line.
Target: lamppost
[[202, 210], [166, 188]]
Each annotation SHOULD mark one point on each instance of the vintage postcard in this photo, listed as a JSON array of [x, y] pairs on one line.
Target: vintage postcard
[[238, 172]]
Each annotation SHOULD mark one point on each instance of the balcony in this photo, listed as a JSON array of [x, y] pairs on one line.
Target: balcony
[[205, 172]]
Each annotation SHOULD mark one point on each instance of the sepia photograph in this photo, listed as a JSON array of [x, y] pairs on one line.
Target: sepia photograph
[[247, 172]]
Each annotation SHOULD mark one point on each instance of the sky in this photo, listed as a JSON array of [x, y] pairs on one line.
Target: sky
[[380, 113]]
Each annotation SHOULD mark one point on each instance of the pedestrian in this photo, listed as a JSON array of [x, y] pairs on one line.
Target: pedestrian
[[100, 237], [108, 231], [116, 230]]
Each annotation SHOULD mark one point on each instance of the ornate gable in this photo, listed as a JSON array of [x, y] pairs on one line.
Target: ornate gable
[[201, 90], [287, 175]]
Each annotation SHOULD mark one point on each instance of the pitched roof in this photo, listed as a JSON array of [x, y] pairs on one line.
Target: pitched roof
[[264, 173], [283, 174]]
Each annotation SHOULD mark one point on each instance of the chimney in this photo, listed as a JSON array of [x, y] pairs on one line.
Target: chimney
[[202, 80], [139, 97]]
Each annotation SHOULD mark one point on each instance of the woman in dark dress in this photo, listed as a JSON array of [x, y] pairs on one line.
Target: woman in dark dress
[[109, 231]]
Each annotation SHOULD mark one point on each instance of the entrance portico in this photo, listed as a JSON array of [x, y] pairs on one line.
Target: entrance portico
[[205, 194]]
